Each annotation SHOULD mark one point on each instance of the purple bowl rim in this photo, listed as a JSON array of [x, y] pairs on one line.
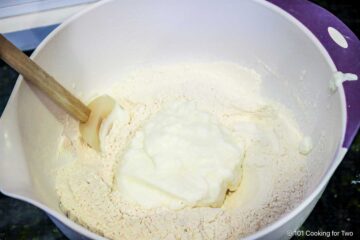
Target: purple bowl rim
[[318, 20]]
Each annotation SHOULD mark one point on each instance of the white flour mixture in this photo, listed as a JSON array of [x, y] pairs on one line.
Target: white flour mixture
[[130, 191]]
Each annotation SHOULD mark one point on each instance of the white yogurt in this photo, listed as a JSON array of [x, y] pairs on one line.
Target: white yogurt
[[181, 157]]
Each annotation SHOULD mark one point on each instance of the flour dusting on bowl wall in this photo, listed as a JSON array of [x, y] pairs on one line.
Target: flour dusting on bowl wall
[[226, 126]]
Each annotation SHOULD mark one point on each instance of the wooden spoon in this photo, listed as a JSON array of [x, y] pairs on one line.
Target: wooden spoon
[[90, 117]]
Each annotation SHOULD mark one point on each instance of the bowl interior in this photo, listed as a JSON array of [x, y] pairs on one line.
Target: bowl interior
[[94, 51]]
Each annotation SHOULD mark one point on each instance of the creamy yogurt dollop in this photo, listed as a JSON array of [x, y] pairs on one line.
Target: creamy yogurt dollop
[[181, 157]]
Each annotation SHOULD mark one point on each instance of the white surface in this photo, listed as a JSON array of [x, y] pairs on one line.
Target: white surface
[[337, 37], [39, 19], [176, 31]]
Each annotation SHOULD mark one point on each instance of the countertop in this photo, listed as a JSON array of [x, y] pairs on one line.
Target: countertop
[[337, 210]]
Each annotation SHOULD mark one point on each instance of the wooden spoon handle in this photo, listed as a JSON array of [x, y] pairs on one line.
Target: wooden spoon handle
[[46, 83]]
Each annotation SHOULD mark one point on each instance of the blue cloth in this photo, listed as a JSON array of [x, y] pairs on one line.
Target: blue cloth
[[29, 39]]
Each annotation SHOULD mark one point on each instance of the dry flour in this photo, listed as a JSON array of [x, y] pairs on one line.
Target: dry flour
[[274, 172]]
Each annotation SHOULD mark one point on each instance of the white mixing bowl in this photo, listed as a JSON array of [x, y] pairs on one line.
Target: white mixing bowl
[[295, 45]]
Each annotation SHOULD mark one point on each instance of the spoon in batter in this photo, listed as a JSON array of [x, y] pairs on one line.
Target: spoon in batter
[[90, 117]]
